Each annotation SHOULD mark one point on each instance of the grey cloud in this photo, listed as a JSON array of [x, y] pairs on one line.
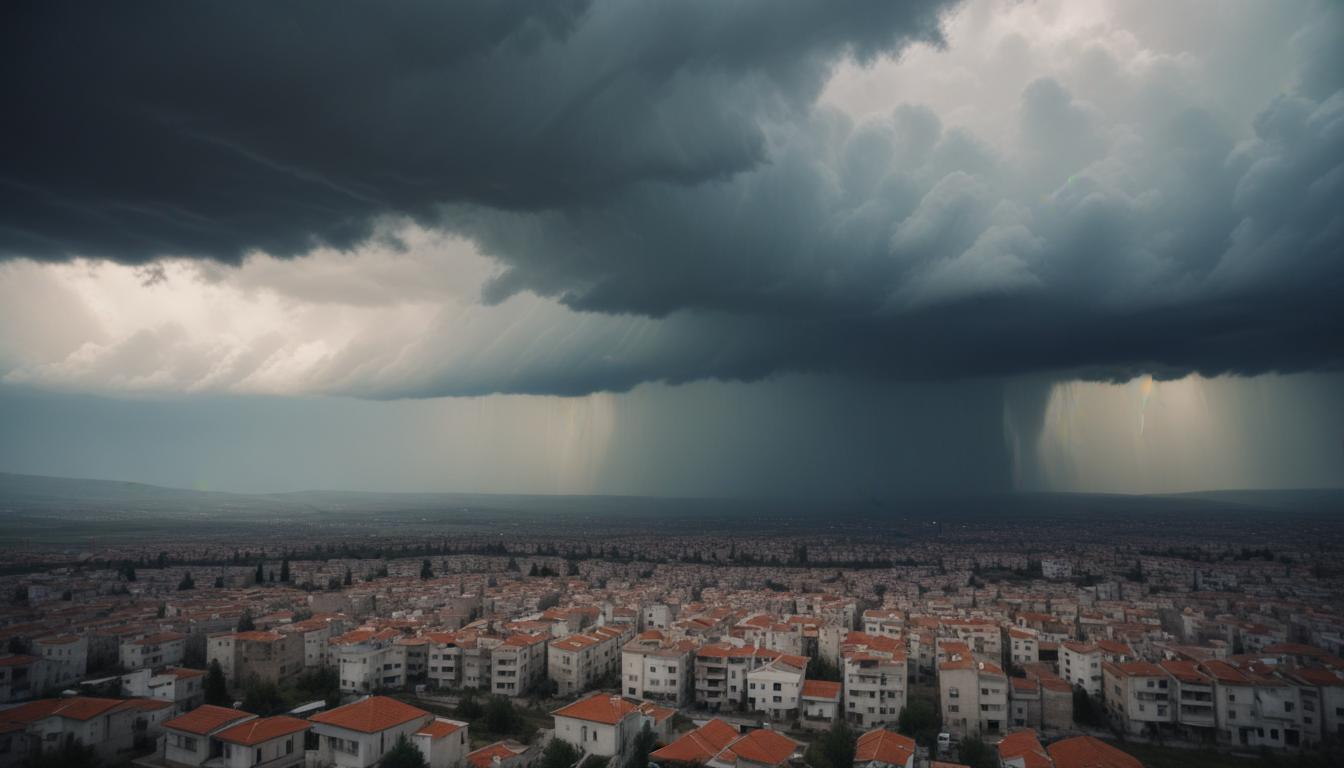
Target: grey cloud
[[200, 129]]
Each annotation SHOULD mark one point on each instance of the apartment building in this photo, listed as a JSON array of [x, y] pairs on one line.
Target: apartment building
[[369, 660], [518, 663], [22, 676], [1023, 647], [67, 658], [656, 668], [1192, 699], [973, 696], [183, 688], [578, 661], [316, 634], [874, 672], [721, 673], [884, 622], [984, 637], [1137, 695], [775, 689], [460, 660], [1080, 666], [153, 650], [245, 656]]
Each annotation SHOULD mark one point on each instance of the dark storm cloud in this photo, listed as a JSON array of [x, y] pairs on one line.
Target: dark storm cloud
[[212, 129], [663, 168]]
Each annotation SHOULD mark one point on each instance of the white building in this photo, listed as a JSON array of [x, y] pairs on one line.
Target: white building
[[188, 738], [67, 658], [369, 660], [656, 668], [155, 650], [776, 688], [357, 735], [874, 669], [601, 724]]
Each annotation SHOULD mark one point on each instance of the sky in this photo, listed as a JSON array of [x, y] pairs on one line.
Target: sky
[[823, 248]]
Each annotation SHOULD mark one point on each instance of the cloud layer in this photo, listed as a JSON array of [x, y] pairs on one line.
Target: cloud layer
[[669, 193]]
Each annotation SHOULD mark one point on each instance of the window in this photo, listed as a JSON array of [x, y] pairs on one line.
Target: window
[[1287, 706], [953, 693]]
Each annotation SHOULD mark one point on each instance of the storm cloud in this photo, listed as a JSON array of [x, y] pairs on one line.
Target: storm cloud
[[667, 194]]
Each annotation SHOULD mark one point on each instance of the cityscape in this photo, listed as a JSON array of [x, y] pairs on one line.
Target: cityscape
[[672, 384]]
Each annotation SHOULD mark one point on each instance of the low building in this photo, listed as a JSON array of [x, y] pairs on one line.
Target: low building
[[820, 703], [357, 735], [719, 745], [1089, 752], [183, 688], [1021, 749], [106, 725], [265, 742], [600, 724], [501, 754], [881, 748], [188, 738]]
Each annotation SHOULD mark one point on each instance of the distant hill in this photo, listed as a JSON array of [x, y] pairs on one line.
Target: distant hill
[[37, 509]]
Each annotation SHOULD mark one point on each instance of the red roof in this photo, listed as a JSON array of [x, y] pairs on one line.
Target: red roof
[[883, 746], [206, 719], [263, 729], [700, 745], [371, 715], [1024, 745], [439, 728], [821, 689], [1089, 752], [598, 708], [762, 746], [485, 756], [77, 708]]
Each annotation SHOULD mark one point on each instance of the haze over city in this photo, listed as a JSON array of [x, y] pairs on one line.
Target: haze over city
[[386, 384]]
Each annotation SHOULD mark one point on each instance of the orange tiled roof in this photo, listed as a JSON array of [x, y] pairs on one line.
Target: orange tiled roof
[[763, 746], [1089, 752], [371, 715], [821, 689], [1024, 745], [262, 729], [883, 746], [485, 756], [598, 708], [206, 719], [700, 745], [440, 728]]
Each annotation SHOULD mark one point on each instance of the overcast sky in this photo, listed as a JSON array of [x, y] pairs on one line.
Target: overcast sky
[[678, 248]]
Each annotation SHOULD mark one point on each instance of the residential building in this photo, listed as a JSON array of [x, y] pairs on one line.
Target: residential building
[[721, 673], [974, 696], [880, 748], [820, 703], [67, 658], [369, 660], [600, 724], [189, 737], [1089, 752], [578, 661], [518, 664], [182, 688], [358, 734], [719, 745], [656, 668], [264, 742], [244, 656], [153, 650], [775, 688], [874, 670], [1021, 749], [1138, 696]]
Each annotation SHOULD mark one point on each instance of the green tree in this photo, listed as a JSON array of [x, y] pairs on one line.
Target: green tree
[[919, 721], [284, 570], [559, 754], [500, 716], [426, 570], [262, 697], [1085, 710], [403, 754], [186, 583], [73, 754], [468, 708], [835, 749], [644, 743], [260, 577], [819, 668], [973, 751], [349, 577], [245, 622], [216, 689], [219, 582]]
